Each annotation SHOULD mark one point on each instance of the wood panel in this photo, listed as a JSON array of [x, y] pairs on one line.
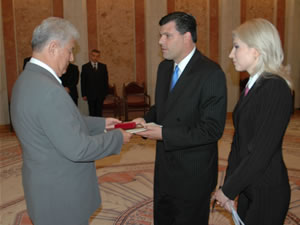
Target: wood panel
[[58, 8], [9, 44], [91, 6], [281, 19], [214, 30], [140, 52]]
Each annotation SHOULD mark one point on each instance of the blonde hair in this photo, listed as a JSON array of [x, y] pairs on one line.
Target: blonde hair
[[263, 36]]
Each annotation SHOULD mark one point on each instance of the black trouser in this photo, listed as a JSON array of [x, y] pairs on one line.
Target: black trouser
[[169, 210], [95, 107], [265, 206]]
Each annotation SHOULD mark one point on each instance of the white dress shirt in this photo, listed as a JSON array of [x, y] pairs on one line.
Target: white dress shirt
[[252, 80], [184, 62], [46, 67]]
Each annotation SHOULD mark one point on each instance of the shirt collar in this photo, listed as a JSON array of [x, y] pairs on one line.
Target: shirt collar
[[185, 61], [252, 80], [46, 67]]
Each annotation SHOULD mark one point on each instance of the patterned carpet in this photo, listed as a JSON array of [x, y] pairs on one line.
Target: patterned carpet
[[126, 180]]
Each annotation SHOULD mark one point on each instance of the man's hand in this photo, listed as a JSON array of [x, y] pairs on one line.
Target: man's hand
[[111, 122], [140, 121], [152, 132], [67, 89]]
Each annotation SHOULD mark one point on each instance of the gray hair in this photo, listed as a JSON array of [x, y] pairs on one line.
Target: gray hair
[[263, 36], [53, 28]]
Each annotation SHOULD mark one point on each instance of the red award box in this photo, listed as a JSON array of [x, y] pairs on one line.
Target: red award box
[[126, 125]]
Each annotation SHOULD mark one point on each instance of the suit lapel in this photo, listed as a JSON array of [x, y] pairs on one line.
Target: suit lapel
[[164, 76], [167, 83], [245, 99]]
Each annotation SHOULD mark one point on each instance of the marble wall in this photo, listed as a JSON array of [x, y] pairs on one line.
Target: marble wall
[[116, 39], [25, 20], [200, 10], [127, 33]]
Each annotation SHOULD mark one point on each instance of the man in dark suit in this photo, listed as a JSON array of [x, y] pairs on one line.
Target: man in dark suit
[[26, 60], [192, 117], [94, 83], [69, 81], [59, 145]]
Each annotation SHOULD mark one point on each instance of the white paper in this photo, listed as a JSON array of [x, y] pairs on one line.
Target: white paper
[[140, 129], [235, 216]]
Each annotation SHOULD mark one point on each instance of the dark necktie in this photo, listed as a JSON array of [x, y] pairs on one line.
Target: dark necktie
[[174, 77]]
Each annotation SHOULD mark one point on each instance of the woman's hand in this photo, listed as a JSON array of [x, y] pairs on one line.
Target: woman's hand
[[223, 200]]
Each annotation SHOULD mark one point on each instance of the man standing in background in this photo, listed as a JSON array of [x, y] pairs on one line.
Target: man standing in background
[[94, 83], [70, 80], [26, 60]]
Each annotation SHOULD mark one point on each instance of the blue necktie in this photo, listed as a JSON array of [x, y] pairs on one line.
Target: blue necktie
[[174, 77]]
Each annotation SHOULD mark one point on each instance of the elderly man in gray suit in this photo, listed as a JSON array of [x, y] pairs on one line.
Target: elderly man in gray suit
[[59, 144]]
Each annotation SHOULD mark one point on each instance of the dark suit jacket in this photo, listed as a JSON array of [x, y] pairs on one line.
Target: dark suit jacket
[[70, 79], [59, 147], [260, 120], [193, 118], [94, 84], [27, 59]]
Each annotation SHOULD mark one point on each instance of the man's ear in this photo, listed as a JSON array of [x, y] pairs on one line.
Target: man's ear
[[187, 36], [52, 47]]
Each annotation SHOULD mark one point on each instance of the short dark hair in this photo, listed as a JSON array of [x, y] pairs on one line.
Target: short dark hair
[[184, 23]]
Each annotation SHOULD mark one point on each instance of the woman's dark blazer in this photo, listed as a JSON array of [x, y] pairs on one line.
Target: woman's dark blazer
[[260, 119]]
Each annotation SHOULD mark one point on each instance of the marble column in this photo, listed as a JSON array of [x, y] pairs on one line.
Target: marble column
[[154, 10], [75, 11], [292, 44], [229, 19]]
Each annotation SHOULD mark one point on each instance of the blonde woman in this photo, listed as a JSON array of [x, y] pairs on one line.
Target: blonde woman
[[256, 172]]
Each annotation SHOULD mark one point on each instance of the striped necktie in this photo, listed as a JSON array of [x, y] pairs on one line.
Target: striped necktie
[[174, 77]]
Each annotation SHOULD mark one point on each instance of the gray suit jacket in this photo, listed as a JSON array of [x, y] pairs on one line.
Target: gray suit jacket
[[59, 148]]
